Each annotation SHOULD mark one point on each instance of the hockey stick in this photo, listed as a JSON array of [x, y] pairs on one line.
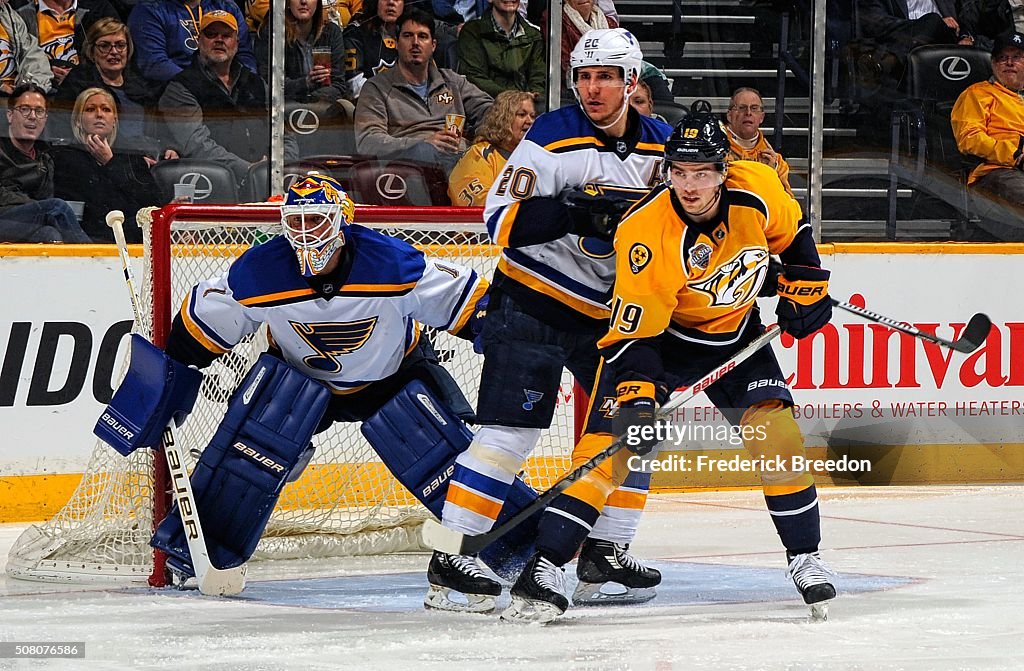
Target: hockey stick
[[212, 580], [971, 338], [453, 542]]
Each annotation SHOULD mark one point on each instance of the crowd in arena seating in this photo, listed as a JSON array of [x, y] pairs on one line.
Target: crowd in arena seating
[[130, 84]]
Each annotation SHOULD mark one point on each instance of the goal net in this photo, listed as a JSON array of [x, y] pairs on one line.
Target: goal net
[[345, 503]]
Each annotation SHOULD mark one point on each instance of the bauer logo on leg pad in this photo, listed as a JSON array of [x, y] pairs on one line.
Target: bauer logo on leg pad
[[254, 455], [439, 480]]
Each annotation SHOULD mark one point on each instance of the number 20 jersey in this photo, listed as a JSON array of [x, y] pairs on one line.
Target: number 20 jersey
[[562, 152]]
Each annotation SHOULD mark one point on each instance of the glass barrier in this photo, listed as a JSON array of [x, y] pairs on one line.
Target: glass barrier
[[136, 122]]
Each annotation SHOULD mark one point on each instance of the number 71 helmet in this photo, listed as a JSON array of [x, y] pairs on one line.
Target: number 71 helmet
[[314, 216]]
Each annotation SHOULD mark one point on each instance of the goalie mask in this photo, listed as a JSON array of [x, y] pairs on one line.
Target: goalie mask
[[609, 47], [314, 216]]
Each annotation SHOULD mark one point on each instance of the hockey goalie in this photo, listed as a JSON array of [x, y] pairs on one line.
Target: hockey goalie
[[344, 306]]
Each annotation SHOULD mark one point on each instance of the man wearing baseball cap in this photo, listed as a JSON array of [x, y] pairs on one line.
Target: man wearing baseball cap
[[166, 34], [988, 121], [216, 109]]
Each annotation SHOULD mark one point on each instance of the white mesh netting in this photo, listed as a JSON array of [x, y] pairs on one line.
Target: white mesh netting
[[345, 503]]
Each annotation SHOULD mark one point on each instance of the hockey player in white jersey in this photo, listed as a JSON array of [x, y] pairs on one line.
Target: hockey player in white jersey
[[343, 303], [343, 306], [553, 210]]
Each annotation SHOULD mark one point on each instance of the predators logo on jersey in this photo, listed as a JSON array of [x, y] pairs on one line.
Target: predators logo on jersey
[[737, 281], [333, 339]]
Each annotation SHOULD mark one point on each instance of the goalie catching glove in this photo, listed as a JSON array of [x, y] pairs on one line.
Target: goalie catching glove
[[804, 305]]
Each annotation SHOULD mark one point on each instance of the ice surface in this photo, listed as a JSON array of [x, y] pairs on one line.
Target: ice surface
[[931, 580]]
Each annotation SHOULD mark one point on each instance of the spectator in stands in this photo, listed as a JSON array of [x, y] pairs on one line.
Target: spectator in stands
[[217, 109], [988, 122], [338, 12], [305, 28], [107, 64], [503, 128], [901, 25], [643, 102], [402, 112], [371, 43], [25, 61], [341, 12], [988, 19], [60, 27], [578, 17], [501, 51], [28, 210], [166, 34], [98, 173], [746, 141]]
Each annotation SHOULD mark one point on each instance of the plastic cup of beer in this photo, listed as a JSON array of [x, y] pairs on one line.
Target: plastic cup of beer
[[455, 123], [322, 56]]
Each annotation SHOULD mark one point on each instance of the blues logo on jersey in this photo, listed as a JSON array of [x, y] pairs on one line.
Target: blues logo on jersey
[[333, 339]]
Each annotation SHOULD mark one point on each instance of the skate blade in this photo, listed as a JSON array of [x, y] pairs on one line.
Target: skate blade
[[525, 611], [440, 598], [610, 593], [819, 611]]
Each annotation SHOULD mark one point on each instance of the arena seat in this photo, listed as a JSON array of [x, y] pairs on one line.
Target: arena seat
[[213, 182], [395, 182], [936, 76], [319, 125]]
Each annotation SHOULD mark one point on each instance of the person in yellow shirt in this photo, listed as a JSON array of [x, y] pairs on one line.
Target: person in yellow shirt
[[746, 141], [691, 259], [502, 129], [988, 122]]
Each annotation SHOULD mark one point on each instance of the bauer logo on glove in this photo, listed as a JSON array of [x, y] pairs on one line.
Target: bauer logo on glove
[[804, 305]]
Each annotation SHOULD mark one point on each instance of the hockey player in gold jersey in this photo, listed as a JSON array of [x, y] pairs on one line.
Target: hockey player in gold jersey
[[692, 258]]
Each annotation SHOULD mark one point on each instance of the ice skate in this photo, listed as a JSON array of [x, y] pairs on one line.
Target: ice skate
[[463, 575], [812, 577], [602, 566], [538, 594]]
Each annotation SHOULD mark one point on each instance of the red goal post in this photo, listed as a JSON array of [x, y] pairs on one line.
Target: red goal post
[[345, 503]]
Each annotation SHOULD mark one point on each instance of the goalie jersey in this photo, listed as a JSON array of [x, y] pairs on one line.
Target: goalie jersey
[[698, 282], [354, 328], [563, 275]]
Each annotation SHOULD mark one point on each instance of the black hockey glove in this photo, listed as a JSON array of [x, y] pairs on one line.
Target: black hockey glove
[[804, 305], [771, 281], [636, 417], [597, 213]]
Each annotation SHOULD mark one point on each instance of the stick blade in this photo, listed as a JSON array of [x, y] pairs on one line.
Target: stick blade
[[442, 538], [974, 334], [221, 582]]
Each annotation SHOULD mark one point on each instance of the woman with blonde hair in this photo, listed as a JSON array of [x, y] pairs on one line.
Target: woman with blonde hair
[[99, 174], [502, 129], [108, 65]]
